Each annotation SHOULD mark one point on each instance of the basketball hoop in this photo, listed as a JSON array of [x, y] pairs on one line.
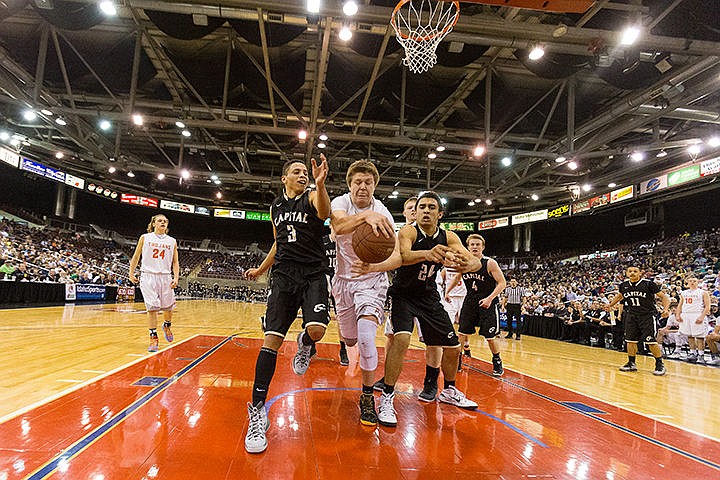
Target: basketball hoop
[[420, 27]]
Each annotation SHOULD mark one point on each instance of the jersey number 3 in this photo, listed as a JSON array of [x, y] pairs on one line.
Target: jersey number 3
[[157, 253], [292, 235]]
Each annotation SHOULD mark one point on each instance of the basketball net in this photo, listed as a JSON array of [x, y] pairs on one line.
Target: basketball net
[[420, 27]]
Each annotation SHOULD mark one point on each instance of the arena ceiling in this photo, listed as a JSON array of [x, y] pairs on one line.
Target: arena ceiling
[[246, 76]]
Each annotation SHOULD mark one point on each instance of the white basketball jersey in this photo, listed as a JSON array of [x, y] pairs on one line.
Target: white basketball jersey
[[692, 301], [157, 253], [345, 253], [460, 290]]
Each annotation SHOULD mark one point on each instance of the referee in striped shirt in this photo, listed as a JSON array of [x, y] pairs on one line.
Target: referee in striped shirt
[[514, 298]]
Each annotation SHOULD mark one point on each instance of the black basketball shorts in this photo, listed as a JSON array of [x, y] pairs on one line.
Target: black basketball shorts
[[294, 286], [485, 320], [437, 329], [640, 328]]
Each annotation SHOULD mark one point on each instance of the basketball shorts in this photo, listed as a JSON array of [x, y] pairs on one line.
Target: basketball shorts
[[485, 320], [640, 328], [388, 330], [156, 291], [692, 329], [294, 286], [433, 320], [357, 298]]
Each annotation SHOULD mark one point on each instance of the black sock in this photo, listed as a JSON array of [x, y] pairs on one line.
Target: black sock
[[306, 340], [167, 324], [431, 375], [496, 356], [658, 361], [449, 383], [153, 332], [264, 371], [631, 358], [388, 389], [343, 348], [367, 390]]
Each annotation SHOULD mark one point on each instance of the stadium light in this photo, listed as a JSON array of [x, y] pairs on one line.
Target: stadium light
[[161, 176], [131, 174], [218, 195], [105, 125], [488, 202], [29, 115], [440, 148], [59, 155], [60, 121], [612, 185], [432, 155], [186, 133], [713, 142], [313, 6], [46, 112], [179, 124], [112, 169], [560, 159], [587, 187], [630, 35], [535, 197], [137, 119], [345, 33], [637, 156], [506, 161], [350, 8], [479, 151], [572, 165], [302, 134], [185, 174], [443, 200], [321, 145], [323, 137], [694, 149], [471, 203], [536, 53], [108, 8], [4, 136]]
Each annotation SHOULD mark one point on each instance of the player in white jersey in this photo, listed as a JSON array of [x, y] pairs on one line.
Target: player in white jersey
[[692, 312], [359, 288], [452, 299], [160, 270]]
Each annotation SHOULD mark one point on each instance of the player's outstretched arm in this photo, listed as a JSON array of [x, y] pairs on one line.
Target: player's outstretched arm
[[343, 223], [394, 261], [460, 257], [320, 198]]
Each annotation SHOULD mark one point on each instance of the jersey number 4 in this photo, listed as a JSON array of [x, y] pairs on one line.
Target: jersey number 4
[[157, 253]]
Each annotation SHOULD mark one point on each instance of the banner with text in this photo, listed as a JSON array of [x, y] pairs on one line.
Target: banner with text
[[625, 193], [535, 216], [42, 170], [9, 157], [202, 210], [683, 175], [74, 181], [494, 223], [653, 184], [225, 213], [177, 206], [262, 216], [89, 291], [139, 200], [710, 167], [581, 206], [561, 211], [458, 226]]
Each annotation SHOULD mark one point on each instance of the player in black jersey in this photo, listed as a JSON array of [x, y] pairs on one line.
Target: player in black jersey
[[425, 248], [331, 254], [638, 297], [480, 307], [298, 280]]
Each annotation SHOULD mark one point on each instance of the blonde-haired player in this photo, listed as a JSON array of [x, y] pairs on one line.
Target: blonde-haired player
[[160, 270], [691, 314]]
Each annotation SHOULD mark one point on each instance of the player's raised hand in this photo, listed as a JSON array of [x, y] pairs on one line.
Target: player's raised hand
[[437, 254], [320, 172], [380, 224]]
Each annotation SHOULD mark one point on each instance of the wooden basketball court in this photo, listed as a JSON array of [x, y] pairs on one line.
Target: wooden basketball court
[[81, 398]]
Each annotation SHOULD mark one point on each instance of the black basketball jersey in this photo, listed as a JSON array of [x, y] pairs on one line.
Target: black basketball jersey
[[639, 298], [330, 254], [480, 283], [298, 230], [420, 277]]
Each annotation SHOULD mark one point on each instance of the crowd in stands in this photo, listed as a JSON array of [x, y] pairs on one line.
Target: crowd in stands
[[51, 255], [231, 266], [241, 293], [576, 289]]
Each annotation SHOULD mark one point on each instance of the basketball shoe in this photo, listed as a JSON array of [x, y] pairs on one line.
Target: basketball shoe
[[344, 360], [453, 396], [168, 333], [153, 347], [659, 368], [386, 410], [301, 362], [498, 369], [629, 367], [258, 424], [368, 416], [429, 392]]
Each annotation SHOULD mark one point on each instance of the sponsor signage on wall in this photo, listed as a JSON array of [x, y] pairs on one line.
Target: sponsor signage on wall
[[561, 211], [494, 223], [225, 213], [653, 184], [139, 200], [625, 193], [202, 210], [535, 216], [581, 206], [600, 200], [177, 206], [458, 226], [74, 181], [9, 157], [262, 216], [42, 170], [89, 291], [683, 175], [710, 167]]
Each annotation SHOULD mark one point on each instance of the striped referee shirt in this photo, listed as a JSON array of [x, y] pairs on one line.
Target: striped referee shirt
[[515, 295]]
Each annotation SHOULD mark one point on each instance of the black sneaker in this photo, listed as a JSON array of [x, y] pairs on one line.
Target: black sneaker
[[368, 416], [659, 369], [460, 363], [629, 367], [498, 369], [313, 351], [379, 385], [429, 392], [517, 337], [344, 360]]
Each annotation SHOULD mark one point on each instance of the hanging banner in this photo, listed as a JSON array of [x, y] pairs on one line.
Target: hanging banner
[[458, 226], [42, 170], [535, 216], [494, 223], [177, 206], [561, 211], [202, 210], [683, 175], [225, 213], [9, 157], [139, 200], [581, 206], [262, 216], [653, 184], [625, 193], [600, 200], [710, 167], [74, 181]]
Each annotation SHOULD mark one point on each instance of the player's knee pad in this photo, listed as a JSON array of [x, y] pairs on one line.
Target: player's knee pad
[[367, 331]]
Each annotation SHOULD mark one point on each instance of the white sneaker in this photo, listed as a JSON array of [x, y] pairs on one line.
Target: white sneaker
[[386, 410], [258, 424], [715, 360], [301, 361], [453, 396]]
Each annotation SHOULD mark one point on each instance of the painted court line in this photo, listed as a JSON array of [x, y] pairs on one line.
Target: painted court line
[[91, 437]]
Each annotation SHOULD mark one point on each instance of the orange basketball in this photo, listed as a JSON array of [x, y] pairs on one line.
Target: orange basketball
[[368, 247]]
